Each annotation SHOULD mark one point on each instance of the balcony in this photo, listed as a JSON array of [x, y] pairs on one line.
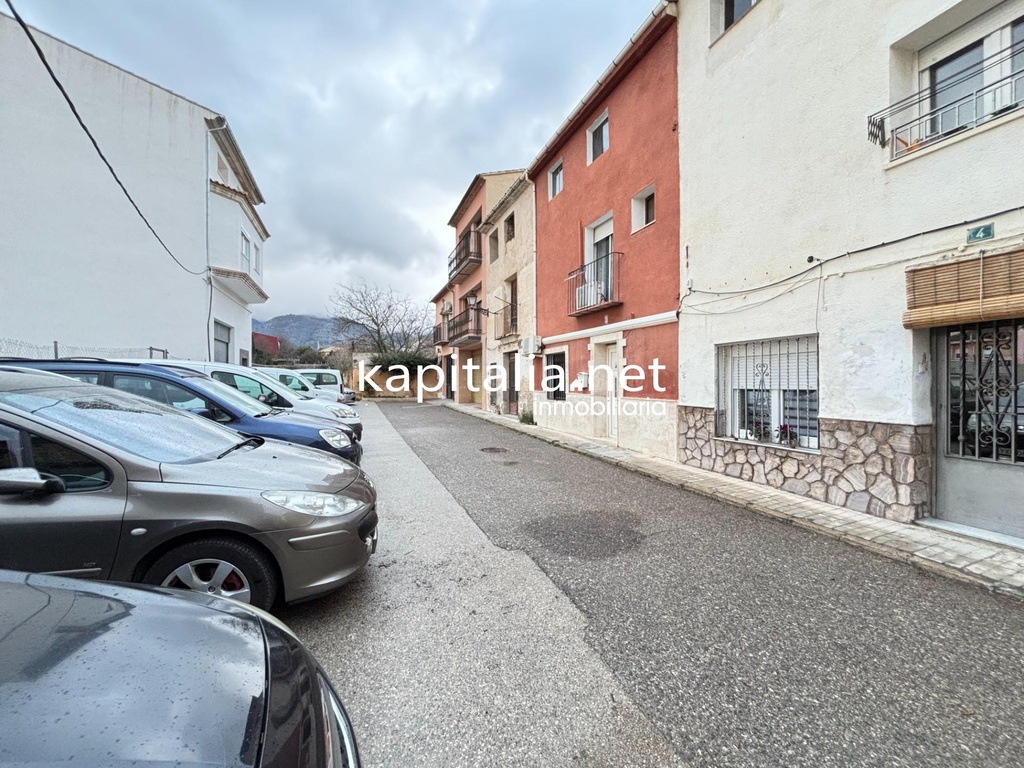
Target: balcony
[[465, 258], [594, 286], [441, 333], [464, 329], [986, 95], [510, 320]]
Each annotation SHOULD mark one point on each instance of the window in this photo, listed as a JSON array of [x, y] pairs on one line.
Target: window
[[24, 449], [160, 391], [510, 227], [554, 379], [327, 379], [254, 389], [643, 208], [258, 260], [511, 311], [597, 138], [954, 81], [555, 180], [769, 391], [221, 343], [246, 246], [222, 169], [735, 9], [492, 246], [86, 378]]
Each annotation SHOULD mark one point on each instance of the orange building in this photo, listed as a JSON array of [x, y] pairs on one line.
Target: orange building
[[608, 249]]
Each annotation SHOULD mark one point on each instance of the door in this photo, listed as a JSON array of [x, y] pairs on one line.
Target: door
[[613, 391], [511, 385], [74, 533], [979, 479], [449, 381], [599, 266]]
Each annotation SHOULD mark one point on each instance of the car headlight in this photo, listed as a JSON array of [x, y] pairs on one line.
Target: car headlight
[[336, 438], [309, 503], [342, 411]]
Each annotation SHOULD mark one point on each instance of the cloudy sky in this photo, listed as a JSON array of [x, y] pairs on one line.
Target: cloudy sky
[[363, 120]]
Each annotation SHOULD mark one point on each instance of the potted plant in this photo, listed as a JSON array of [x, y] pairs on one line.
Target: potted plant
[[761, 431], [788, 436]]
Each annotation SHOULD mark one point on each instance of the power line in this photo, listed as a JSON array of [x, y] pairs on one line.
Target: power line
[[88, 133]]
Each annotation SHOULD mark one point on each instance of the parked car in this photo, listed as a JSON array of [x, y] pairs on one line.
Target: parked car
[[110, 675], [267, 390], [198, 393], [296, 381], [103, 484], [329, 380]]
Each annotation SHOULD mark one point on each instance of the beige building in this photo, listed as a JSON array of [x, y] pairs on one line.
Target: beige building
[[507, 235]]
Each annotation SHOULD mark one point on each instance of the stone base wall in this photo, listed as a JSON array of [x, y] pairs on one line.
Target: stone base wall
[[881, 469]]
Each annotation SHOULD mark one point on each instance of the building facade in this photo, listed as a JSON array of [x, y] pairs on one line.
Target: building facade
[[507, 237], [459, 306], [607, 217], [80, 266], [852, 324]]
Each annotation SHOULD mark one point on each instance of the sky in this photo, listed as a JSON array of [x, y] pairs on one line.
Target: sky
[[363, 121]]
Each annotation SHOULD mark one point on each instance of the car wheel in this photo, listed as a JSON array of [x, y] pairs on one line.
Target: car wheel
[[222, 567]]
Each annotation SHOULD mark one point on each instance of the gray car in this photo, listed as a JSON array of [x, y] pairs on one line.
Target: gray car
[[101, 484]]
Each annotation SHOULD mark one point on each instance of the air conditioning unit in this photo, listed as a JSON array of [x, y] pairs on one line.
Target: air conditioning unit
[[446, 307], [530, 345], [590, 295]]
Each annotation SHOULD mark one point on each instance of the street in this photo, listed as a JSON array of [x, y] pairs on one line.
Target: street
[[531, 606]]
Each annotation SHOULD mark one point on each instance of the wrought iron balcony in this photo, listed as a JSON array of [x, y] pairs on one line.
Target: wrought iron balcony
[[441, 333], [594, 286], [465, 328], [465, 258], [914, 124], [510, 320]]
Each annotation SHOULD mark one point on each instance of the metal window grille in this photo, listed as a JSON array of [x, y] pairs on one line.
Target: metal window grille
[[768, 391], [554, 373], [983, 388]]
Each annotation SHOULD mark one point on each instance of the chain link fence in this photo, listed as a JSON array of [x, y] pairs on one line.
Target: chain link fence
[[57, 350]]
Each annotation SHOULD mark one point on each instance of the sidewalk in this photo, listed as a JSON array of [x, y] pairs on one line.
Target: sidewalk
[[984, 564]]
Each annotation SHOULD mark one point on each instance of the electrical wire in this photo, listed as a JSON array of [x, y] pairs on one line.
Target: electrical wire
[[96, 146]]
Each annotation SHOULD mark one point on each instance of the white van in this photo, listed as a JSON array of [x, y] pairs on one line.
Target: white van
[[270, 391], [329, 380], [299, 383]]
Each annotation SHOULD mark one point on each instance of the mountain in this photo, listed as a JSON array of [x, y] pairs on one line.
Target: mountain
[[300, 330]]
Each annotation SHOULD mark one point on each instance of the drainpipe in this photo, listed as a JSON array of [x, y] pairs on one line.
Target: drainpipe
[[209, 273]]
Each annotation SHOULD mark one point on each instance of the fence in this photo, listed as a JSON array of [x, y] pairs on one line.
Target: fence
[[58, 350]]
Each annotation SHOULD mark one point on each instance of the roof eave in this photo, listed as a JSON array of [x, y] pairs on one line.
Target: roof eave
[[229, 146]]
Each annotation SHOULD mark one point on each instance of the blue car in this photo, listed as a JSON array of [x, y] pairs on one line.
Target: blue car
[[198, 393]]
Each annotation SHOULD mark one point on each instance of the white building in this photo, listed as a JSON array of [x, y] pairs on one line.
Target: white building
[[852, 319], [507, 238], [79, 265]]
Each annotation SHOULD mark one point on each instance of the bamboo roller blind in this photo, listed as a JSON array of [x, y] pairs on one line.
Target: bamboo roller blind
[[970, 291]]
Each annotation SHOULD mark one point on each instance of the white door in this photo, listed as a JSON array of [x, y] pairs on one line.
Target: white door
[[613, 391]]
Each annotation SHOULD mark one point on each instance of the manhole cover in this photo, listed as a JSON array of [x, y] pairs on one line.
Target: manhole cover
[[494, 450]]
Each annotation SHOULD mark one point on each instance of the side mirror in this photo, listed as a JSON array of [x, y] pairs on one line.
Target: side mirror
[[28, 481]]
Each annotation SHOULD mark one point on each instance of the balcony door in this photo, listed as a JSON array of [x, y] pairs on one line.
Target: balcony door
[[599, 265]]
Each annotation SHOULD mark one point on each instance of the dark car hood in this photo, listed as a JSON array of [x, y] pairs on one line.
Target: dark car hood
[[273, 466], [98, 674], [284, 423]]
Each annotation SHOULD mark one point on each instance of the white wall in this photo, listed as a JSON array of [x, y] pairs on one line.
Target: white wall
[[78, 264], [776, 167]]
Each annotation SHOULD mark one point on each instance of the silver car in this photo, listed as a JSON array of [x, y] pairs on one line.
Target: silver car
[[101, 484]]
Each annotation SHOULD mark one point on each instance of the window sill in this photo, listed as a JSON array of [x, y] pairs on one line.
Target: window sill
[[953, 140], [775, 446], [645, 226]]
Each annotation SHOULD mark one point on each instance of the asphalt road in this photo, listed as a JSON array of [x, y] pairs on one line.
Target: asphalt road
[[531, 606]]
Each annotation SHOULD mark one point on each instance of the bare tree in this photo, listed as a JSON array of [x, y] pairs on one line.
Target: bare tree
[[385, 320]]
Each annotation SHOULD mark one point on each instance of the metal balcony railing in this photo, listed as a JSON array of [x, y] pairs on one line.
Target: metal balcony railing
[[594, 286], [464, 327], [914, 124], [441, 333], [466, 256], [510, 320]]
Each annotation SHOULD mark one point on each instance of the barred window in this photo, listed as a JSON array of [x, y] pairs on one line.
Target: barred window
[[769, 391], [554, 378]]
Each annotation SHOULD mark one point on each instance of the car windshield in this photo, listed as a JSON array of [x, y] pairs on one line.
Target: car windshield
[[131, 423], [236, 399]]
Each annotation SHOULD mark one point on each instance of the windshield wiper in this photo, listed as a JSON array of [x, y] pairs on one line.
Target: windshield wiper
[[271, 412], [253, 441]]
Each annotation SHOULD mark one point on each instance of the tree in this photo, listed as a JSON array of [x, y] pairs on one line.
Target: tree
[[386, 320]]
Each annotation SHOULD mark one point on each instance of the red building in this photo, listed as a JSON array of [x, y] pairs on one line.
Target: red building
[[608, 249], [266, 343]]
